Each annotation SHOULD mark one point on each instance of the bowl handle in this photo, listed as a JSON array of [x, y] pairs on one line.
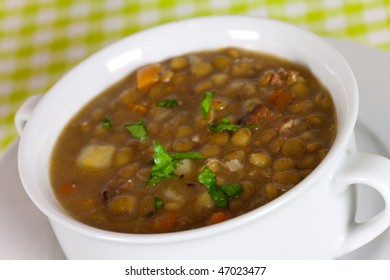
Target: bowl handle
[[25, 111], [373, 171]]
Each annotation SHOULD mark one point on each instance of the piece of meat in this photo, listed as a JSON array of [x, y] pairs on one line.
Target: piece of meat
[[288, 125], [260, 114], [279, 77], [281, 98]]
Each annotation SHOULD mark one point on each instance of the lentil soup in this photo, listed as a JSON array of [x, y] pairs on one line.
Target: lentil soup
[[192, 141]]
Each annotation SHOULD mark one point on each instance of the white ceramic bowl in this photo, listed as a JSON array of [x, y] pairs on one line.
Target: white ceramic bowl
[[313, 220]]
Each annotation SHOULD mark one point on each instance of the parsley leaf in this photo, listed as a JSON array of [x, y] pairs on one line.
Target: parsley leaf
[[168, 103], [158, 202], [137, 130], [163, 167], [207, 177], [164, 164], [225, 124], [232, 190], [107, 122], [219, 194], [186, 155], [219, 197], [205, 105]]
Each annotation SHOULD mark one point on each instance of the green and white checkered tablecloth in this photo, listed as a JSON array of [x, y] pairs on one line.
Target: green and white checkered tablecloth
[[40, 40]]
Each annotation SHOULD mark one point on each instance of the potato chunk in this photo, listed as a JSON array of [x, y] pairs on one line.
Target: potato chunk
[[96, 157], [184, 167], [204, 200]]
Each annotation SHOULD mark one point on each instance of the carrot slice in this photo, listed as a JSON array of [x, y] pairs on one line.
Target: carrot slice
[[218, 217], [140, 108], [148, 75], [165, 222], [67, 188], [281, 98]]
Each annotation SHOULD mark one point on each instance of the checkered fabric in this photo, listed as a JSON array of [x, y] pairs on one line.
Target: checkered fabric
[[40, 40]]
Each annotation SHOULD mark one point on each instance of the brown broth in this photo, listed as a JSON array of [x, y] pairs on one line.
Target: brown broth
[[282, 122]]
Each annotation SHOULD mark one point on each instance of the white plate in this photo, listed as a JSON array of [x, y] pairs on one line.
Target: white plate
[[25, 233]]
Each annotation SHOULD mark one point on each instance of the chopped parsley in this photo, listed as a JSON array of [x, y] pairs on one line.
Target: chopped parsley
[[219, 194], [207, 177], [226, 124], [186, 155], [168, 103], [107, 122], [164, 164], [232, 190], [205, 105], [137, 130], [158, 202]]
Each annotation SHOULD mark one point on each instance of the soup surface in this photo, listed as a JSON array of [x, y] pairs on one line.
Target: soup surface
[[192, 141]]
